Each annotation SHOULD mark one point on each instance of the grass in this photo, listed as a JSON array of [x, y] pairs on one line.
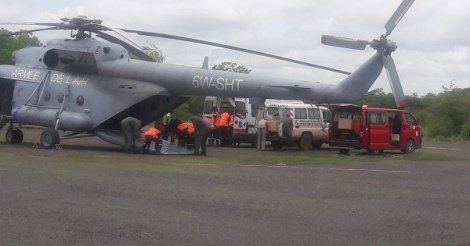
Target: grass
[[79, 153]]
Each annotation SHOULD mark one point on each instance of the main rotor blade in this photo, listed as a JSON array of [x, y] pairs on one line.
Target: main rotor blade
[[136, 50], [30, 23], [30, 31], [342, 42], [124, 36], [396, 17], [394, 80], [199, 41]]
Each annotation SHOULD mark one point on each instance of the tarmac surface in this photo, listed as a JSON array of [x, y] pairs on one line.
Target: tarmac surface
[[91, 193]]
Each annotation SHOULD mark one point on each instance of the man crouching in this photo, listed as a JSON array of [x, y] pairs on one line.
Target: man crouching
[[153, 134]]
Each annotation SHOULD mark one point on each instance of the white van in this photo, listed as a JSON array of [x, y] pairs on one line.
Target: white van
[[305, 125], [244, 130]]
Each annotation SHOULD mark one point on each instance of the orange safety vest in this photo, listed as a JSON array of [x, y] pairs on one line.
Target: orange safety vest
[[186, 126], [231, 120], [215, 119], [152, 132], [224, 119]]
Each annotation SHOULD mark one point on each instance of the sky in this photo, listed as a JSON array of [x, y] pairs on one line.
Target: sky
[[432, 38]]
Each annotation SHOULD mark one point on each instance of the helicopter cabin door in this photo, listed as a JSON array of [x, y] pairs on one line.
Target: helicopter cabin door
[[6, 95]]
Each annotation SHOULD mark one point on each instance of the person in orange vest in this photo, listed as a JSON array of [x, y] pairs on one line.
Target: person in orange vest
[[224, 121], [185, 133], [153, 134]]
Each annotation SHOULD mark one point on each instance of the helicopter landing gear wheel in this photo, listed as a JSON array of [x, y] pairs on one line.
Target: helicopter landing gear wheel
[[18, 136], [14, 136], [49, 138]]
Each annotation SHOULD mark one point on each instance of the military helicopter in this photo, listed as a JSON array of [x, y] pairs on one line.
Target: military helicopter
[[86, 86]]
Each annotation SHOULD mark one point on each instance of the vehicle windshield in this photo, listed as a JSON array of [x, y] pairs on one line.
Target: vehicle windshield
[[272, 113]]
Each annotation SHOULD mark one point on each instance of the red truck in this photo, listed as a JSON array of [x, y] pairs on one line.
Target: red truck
[[374, 129]]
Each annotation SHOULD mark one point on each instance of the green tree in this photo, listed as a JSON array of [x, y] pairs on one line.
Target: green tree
[[377, 98], [8, 44], [446, 113], [155, 52], [192, 107], [231, 67], [414, 103]]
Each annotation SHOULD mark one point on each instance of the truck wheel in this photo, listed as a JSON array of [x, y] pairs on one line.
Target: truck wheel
[[49, 138], [410, 147], [305, 142]]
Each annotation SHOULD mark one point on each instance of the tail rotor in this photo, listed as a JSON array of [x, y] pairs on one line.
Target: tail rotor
[[383, 46]]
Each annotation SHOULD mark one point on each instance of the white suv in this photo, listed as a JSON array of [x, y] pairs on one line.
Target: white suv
[[296, 123]]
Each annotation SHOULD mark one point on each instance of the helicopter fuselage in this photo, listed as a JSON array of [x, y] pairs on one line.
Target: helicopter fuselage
[[85, 84]]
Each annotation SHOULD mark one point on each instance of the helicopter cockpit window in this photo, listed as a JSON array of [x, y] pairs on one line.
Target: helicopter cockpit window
[[60, 97], [80, 100]]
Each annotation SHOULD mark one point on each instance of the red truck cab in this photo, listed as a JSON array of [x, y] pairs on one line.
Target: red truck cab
[[374, 129]]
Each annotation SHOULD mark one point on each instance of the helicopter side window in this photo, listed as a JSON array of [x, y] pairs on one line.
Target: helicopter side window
[[80, 100], [60, 97]]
